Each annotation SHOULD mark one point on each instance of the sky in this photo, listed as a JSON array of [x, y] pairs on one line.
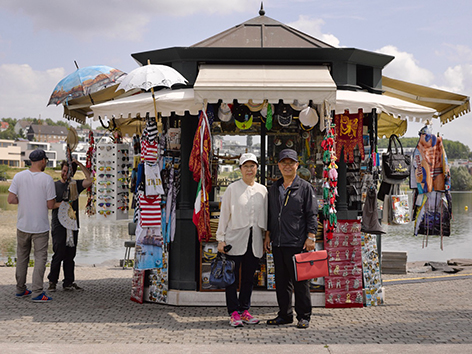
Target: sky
[[40, 40]]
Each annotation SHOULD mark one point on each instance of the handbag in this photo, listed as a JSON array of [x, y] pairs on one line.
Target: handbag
[[309, 265], [222, 271], [395, 165]]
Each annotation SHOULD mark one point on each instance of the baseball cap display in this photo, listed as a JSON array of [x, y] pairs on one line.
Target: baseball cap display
[[224, 112], [284, 114], [288, 154], [242, 116], [247, 157], [37, 155]]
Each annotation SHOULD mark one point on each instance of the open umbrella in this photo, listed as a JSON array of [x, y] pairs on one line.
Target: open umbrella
[[83, 82], [150, 76]]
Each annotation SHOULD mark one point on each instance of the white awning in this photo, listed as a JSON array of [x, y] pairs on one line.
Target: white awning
[[353, 100], [264, 82], [167, 101]]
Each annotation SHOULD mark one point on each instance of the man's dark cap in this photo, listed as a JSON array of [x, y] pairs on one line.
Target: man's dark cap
[[38, 155], [288, 154]]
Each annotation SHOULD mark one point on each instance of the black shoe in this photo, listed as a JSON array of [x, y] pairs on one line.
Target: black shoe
[[52, 286], [303, 323], [278, 321], [72, 287]]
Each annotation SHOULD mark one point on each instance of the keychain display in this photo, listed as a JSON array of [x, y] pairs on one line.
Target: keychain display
[[343, 286], [371, 271]]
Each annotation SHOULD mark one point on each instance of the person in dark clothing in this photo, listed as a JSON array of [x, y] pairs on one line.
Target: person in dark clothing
[[292, 225], [62, 252]]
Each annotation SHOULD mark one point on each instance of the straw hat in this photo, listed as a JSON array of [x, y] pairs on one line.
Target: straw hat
[[72, 139]]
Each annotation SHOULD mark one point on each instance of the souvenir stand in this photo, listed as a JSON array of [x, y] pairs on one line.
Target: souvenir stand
[[274, 88]]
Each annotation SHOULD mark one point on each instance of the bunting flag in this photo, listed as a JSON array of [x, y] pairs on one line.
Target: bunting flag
[[199, 164]]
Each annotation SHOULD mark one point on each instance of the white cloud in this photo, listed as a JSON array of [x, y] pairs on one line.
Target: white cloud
[[405, 67], [122, 19], [25, 92], [313, 28]]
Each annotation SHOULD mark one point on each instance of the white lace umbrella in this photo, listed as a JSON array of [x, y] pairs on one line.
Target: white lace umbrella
[[150, 76]]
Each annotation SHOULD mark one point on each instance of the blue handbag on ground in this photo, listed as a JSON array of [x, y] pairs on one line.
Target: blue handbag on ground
[[222, 271]]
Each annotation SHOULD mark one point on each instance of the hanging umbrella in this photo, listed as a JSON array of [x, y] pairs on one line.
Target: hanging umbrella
[[150, 76], [83, 82]]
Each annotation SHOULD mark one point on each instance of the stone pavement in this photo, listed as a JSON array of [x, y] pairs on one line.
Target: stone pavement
[[420, 316]]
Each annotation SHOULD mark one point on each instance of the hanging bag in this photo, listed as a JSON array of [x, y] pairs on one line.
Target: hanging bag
[[222, 271], [395, 164], [400, 209]]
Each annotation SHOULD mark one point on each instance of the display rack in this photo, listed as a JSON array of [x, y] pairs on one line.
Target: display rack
[[112, 181]]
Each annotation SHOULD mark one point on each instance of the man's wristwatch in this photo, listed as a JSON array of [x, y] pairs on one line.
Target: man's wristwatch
[[312, 238]]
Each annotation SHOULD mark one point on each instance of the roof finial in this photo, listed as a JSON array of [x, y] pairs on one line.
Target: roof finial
[[261, 11]]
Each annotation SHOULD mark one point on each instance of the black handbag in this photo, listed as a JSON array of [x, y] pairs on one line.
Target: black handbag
[[222, 271], [395, 164]]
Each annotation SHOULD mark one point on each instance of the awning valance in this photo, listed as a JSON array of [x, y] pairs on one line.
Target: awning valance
[[353, 100], [264, 82], [167, 101], [448, 105]]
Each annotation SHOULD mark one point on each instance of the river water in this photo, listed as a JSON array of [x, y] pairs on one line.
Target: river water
[[103, 240]]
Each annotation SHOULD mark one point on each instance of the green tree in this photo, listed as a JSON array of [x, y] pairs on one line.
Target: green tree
[[461, 180]]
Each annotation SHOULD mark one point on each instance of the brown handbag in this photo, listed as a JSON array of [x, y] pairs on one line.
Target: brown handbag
[[311, 265]]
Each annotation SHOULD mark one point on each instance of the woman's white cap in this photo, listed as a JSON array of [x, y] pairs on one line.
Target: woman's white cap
[[247, 157]]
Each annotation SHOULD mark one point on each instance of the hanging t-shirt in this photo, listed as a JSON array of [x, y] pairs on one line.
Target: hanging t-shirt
[[150, 211], [153, 182], [149, 151]]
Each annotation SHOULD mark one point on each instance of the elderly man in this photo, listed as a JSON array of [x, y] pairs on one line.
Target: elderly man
[[34, 192], [292, 226]]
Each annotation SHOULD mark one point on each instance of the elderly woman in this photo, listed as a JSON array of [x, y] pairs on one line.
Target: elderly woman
[[242, 224]]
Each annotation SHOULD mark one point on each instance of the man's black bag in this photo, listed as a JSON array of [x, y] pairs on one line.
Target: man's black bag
[[222, 271], [395, 164]]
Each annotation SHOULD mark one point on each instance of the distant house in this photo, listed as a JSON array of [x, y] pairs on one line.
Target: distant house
[[10, 154], [47, 133], [23, 126], [4, 126]]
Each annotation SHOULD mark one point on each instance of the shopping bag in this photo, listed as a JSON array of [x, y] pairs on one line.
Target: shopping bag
[[311, 265], [222, 271], [400, 209]]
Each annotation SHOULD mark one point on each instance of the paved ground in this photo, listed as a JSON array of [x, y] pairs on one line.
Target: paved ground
[[431, 315]]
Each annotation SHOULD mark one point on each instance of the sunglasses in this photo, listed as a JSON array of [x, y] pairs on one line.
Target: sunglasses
[[125, 158], [106, 162], [124, 186], [105, 190], [105, 204], [122, 193], [105, 212], [105, 147], [123, 207], [123, 179], [105, 197], [107, 175], [106, 183], [105, 168]]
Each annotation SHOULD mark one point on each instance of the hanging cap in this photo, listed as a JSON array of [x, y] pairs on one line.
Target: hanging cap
[[308, 117], [224, 112]]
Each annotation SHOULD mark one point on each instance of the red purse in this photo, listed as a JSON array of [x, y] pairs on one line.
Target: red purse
[[311, 265]]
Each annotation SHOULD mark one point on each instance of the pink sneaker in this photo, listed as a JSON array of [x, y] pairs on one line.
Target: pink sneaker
[[248, 319], [235, 320]]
